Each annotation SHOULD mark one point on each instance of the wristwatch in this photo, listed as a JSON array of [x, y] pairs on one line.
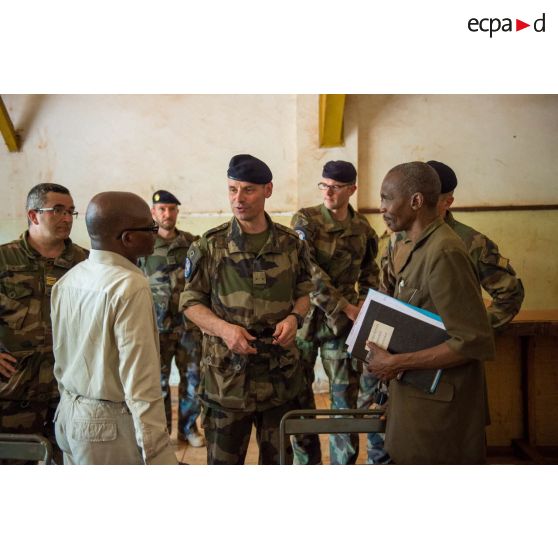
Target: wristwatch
[[299, 319]]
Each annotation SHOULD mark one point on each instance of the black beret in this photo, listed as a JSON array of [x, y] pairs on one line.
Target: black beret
[[446, 174], [246, 168], [162, 196], [342, 171]]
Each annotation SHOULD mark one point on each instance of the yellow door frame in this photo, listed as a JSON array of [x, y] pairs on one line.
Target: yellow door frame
[[7, 128], [332, 108]]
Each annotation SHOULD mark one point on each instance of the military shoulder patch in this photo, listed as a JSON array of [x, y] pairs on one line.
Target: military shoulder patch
[[187, 268], [301, 234], [192, 259]]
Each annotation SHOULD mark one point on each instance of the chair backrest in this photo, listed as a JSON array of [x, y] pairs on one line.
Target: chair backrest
[[327, 421], [26, 447]]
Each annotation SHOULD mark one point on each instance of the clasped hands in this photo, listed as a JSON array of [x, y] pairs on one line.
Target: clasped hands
[[239, 341]]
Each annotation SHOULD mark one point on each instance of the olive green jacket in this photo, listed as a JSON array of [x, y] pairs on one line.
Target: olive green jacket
[[449, 425]]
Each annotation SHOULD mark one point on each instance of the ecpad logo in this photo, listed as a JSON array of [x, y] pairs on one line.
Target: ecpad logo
[[493, 25]]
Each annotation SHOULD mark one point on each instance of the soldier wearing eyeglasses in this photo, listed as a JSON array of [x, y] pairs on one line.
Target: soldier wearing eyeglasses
[[343, 246], [29, 267]]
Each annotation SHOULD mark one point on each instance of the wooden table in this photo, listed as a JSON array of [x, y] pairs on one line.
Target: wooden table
[[523, 385]]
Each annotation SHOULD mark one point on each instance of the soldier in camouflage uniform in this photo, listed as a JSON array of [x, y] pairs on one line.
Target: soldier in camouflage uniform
[[29, 267], [178, 337], [247, 285], [497, 277], [343, 246]]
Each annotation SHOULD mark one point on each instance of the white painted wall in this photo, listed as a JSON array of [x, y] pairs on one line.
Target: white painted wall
[[183, 143], [503, 148]]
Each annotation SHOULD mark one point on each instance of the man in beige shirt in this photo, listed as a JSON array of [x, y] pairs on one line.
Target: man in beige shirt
[[106, 344]]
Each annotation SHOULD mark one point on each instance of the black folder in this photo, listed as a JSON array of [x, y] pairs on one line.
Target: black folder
[[413, 330]]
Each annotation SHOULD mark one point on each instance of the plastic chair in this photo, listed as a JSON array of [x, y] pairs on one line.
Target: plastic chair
[[336, 421], [26, 447]]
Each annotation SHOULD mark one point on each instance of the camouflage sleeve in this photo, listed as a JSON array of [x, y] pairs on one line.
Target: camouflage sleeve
[[197, 287], [14, 307], [3, 308], [369, 271], [387, 275], [304, 277], [499, 280], [302, 226], [324, 295]]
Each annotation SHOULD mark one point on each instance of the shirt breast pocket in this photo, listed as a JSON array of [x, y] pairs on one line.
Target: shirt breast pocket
[[14, 304], [356, 245], [409, 293], [341, 260]]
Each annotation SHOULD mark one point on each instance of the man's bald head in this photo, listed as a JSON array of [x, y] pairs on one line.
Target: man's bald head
[[109, 213], [120, 222], [417, 177]]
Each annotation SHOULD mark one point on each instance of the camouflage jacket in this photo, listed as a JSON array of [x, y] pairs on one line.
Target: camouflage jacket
[[255, 291], [497, 277], [26, 281], [344, 265], [165, 272]]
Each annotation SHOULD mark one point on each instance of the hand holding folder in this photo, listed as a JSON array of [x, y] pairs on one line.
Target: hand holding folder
[[397, 327]]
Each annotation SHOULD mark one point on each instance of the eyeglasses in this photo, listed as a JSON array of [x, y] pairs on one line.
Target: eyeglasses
[[154, 228], [57, 211], [334, 187]]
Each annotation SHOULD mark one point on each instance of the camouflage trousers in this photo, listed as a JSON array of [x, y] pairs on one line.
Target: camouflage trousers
[[185, 347], [227, 434], [343, 392], [25, 417], [375, 452]]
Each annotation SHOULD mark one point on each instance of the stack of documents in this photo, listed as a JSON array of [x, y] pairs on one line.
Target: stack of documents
[[397, 327]]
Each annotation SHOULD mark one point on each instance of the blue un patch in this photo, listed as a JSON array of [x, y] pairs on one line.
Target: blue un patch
[[187, 268], [301, 234]]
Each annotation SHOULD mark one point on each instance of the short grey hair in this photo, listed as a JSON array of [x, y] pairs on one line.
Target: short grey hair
[[36, 197], [420, 177]]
